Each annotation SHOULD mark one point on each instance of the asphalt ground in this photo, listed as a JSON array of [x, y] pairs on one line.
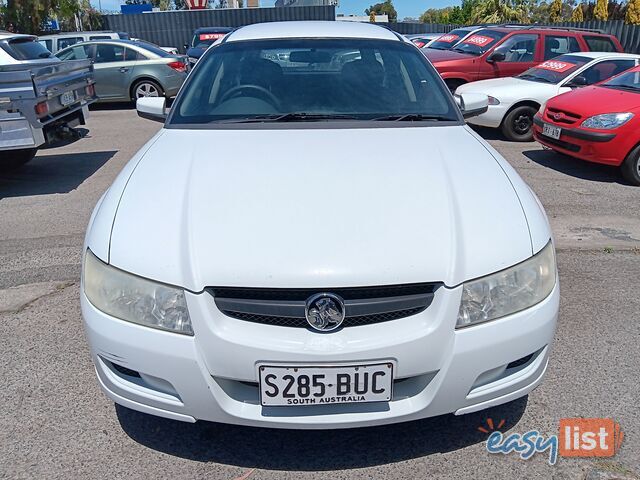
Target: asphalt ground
[[55, 422]]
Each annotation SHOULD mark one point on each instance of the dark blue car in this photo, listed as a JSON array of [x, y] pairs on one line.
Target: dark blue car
[[202, 39]]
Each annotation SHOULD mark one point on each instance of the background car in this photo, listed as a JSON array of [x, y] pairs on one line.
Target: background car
[[599, 124], [448, 40], [513, 101], [423, 40], [55, 43], [125, 70], [202, 39], [507, 51]]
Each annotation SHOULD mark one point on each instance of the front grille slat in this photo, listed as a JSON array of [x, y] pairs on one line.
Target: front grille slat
[[286, 307]]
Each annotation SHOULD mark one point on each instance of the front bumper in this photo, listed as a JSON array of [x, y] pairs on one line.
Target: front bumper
[[492, 117], [598, 147], [213, 375]]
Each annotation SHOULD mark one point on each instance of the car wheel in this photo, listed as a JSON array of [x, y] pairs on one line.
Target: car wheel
[[453, 84], [517, 126], [631, 167], [17, 158], [146, 88]]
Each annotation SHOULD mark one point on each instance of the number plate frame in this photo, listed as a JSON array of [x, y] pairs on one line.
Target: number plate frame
[[551, 131], [330, 371], [67, 98]]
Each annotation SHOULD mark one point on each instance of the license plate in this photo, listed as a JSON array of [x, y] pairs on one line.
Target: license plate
[[551, 131], [325, 385], [67, 98]]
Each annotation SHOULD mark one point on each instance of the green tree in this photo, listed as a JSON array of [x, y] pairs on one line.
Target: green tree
[[601, 10], [498, 11], [555, 12], [385, 8], [632, 16], [577, 15]]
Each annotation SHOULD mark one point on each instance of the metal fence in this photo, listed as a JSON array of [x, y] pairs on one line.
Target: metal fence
[[175, 28]]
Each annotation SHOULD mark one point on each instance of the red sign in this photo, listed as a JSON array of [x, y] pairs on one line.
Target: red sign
[[448, 38], [211, 36], [556, 66], [479, 40]]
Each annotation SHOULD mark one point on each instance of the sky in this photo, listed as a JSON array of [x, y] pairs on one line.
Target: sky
[[405, 8]]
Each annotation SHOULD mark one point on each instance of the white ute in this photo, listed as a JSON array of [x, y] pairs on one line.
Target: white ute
[[514, 101], [315, 239]]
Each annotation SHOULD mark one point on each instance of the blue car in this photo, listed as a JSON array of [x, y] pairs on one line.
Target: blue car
[[202, 39]]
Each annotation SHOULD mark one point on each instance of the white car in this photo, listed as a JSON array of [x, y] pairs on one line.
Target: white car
[[514, 101], [295, 250]]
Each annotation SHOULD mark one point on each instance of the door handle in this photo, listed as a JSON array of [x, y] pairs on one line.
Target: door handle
[[123, 69]]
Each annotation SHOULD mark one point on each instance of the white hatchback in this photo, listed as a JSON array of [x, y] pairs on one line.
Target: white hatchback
[[514, 101], [315, 239]]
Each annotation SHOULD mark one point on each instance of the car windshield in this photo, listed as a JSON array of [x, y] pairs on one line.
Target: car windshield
[[628, 81], [205, 40], [27, 49], [448, 40], [555, 70], [311, 80], [479, 42]]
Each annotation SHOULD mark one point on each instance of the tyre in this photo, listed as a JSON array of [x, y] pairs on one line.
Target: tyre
[[146, 88], [453, 83], [517, 126], [630, 168], [16, 158]]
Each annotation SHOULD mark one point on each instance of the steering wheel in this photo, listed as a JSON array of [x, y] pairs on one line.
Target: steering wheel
[[261, 90]]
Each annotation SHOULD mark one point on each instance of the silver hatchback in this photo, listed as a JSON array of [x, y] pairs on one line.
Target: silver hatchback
[[126, 70]]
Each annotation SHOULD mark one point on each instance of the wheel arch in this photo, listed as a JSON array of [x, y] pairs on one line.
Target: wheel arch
[[521, 103], [142, 78]]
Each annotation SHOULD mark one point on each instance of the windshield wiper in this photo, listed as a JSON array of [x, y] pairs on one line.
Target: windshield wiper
[[460, 50], [292, 117], [411, 117], [535, 78], [623, 87]]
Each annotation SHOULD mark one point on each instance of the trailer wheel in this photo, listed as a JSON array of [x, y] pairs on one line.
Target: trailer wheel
[[17, 158]]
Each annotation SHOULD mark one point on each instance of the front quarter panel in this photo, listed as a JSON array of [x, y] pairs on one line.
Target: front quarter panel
[[98, 237]]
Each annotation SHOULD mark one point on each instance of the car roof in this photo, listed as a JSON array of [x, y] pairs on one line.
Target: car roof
[[543, 29], [9, 35], [313, 29], [596, 55], [213, 30]]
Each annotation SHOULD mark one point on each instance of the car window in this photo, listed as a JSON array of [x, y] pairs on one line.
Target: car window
[[479, 42], [446, 41], [106, 53], [555, 45], [65, 42], [26, 49], [519, 48], [99, 37], [629, 82], [77, 52], [359, 78], [555, 70], [48, 44], [606, 69], [205, 40], [153, 48], [600, 44]]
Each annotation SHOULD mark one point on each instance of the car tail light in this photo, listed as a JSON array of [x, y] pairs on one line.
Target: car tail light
[[41, 108], [178, 66], [90, 90]]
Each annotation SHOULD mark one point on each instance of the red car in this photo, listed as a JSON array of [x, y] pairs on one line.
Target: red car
[[599, 124], [508, 51]]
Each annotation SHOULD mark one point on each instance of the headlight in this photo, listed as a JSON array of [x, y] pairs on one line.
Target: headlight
[[607, 121], [493, 100], [508, 291], [135, 299]]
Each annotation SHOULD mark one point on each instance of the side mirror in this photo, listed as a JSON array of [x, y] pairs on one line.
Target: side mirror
[[496, 57], [578, 81], [152, 108], [472, 104], [186, 47]]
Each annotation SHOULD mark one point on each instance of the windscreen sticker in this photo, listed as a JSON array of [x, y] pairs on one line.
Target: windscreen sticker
[[479, 40], [211, 36], [556, 66], [448, 38]]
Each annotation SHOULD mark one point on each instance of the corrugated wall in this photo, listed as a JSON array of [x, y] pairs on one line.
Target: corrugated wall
[[175, 28]]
